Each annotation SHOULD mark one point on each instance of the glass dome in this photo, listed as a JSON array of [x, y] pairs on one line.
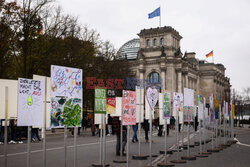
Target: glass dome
[[129, 49]]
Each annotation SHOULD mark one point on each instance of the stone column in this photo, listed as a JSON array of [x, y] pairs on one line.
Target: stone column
[[163, 80], [163, 74], [141, 74], [142, 90], [214, 87], [141, 77], [196, 90], [179, 81], [186, 78], [170, 77], [198, 84]]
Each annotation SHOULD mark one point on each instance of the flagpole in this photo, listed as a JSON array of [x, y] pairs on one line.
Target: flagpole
[[213, 56], [160, 16]]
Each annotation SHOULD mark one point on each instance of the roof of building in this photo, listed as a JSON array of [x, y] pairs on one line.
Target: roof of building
[[129, 50], [159, 30]]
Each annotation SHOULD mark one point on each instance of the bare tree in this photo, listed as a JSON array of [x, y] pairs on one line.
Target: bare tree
[[107, 51], [241, 101], [246, 92], [56, 24]]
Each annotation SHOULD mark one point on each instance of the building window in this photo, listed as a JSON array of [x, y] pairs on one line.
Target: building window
[[155, 42], [148, 42], [162, 41], [154, 78]]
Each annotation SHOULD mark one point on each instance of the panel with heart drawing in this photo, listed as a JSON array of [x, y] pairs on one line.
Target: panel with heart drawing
[[152, 97]]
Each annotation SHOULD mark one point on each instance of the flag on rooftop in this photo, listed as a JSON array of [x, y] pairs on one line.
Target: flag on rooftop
[[155, 13], [210, 54]]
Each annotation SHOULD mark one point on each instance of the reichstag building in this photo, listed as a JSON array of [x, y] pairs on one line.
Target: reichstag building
[[156, 54]]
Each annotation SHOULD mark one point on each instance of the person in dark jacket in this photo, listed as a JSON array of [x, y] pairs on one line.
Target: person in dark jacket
[[12, 131], [117, 128], [85, 124], [110, 119], [160, 127], [146, 129], [172, 122], [196, 122], [93, 128], [168, 125], [2, 131], [17, 132]]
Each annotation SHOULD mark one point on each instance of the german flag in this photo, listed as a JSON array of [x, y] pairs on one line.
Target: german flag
[[210, 54]]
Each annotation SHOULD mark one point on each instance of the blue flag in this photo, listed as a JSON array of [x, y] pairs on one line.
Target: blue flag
[[155, 13]]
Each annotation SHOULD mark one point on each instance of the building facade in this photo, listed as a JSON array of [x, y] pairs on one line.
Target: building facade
[[157, 56]]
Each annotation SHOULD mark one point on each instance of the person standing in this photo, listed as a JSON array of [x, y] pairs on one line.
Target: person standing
[[93, 128], [109, 125], [117, 128], [98, 132], [2, 131], [168, 126], [146, 129], [12, 131], [196, 123], [172, 122], [135, 128], [160, 127], [85, 124], [17, 133]]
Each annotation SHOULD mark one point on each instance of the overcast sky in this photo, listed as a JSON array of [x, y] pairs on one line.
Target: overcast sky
[[205, 25]]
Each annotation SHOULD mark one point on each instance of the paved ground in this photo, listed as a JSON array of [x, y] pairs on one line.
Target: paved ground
[[237, 155], [88, 152]]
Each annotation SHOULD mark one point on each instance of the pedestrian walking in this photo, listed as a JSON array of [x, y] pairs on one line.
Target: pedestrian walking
[[135, 129], [35, 134]]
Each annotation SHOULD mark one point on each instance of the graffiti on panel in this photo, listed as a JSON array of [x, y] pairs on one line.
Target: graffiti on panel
[[100, 101], [65, 112], [30, 102], [111, 103], [66, 82], [200, 107], [129, 107], [188, 113], [166, 105]]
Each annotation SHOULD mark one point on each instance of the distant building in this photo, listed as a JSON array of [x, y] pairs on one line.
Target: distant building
[[157, 55]]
